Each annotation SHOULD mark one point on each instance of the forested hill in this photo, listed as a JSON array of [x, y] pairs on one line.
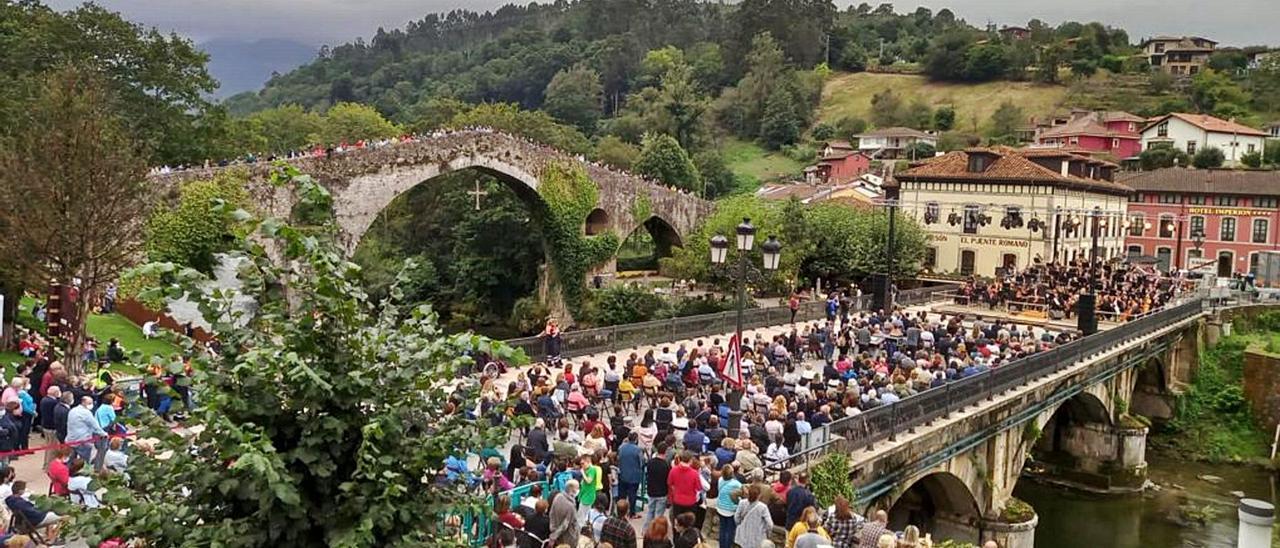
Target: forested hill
[[507, 55]]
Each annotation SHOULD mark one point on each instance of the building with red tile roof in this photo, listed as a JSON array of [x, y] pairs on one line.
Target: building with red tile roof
[[1109, 132], [1195, 132]]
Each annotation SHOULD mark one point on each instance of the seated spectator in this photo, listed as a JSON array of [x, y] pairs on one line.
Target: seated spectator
[[59, 472], [80, 486], [117, 460], [35, 517]]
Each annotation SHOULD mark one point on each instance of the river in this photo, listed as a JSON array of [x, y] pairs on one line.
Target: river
[[1070, 519]]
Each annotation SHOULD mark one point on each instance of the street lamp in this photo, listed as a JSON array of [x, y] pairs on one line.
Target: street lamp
[[772, 254]]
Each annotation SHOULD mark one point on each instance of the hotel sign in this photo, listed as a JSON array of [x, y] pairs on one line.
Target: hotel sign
[[1226, 211]]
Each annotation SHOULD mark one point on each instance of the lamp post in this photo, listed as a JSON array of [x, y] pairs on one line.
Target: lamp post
[[771, 250]]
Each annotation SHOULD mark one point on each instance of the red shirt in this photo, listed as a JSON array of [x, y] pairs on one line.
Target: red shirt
[[683, 484], [60, 475]]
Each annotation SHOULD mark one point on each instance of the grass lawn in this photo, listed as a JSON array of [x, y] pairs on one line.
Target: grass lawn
[[105, 327], [850, 95], [753, 164]]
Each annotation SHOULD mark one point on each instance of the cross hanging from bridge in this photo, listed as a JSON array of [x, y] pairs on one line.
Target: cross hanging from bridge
[[478, 193]]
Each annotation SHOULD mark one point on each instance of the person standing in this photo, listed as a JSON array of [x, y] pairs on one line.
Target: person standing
[[48, 424], [630, 469], [82, 428], [8, 429], [656, 485], [590, 486], [564, 516], [727, 503], [869, 536], [799, 497], [752, 521], [683, 484], [28, 417], [60, 415], [617, 531]]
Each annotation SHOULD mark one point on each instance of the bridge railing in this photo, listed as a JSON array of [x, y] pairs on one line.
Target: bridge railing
[[618, 338], [888, 421]]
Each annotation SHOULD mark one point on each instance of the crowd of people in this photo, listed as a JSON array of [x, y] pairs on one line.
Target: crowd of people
[[326, 151], [1124, 290], [81, 436], [659, 437]]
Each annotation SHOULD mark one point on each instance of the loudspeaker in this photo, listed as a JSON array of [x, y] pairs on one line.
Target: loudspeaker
[[881, 293], [1085, 311]]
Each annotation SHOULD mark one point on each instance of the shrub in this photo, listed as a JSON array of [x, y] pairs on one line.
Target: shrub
[[622, 304], [1208, 157]]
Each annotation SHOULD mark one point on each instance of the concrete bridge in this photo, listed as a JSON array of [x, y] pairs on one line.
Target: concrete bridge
[[364, 182], [947, 459]]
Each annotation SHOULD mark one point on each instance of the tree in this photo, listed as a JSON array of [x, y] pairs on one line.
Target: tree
[[944, 119], [1213, 92], [852, 59], [158, 82], [574, 97], [1051, 58], [72, 190], [325, 421], [887, 109], [1208, 157], [946, 60], [193, 230], [662, 159], [985, 62], [920, 150], [780, 125], [616, 152], [1084, 68], [717, 179], [1006, 120], [1252, 159], [1162, 156], [286, 128], [351, 122]]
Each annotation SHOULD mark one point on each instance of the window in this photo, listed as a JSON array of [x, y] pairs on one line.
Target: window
[[967, 258], [1134, 251], [1195, 199], [1228, 231], [1136, 197], [932, 213], [1259, 231], [971, 214], [1197, 225], [930, 257], [1266, 202], [1163, 254], [1191, 148], [1162, 130], [1166, 198], [1226, 200], [1226, 264], [1115, 143], [1166, 226], [1136, 227], [1253, 263], [1193, 257], [1252, 149]]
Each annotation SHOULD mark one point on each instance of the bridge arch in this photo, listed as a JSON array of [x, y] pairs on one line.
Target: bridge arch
[[367, 195], [1152, 394], [597, 222], [938, 503], [653, 234]]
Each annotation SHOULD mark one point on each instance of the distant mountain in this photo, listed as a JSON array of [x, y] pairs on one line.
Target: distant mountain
[[241, 65]]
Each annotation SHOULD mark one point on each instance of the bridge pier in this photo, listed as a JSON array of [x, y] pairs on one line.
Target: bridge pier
[[1010, 535], [1094, 456]]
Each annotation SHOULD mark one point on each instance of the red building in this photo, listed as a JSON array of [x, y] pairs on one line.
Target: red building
[[840, 163], [1015, 33], [1216, 219], [1113, 132]]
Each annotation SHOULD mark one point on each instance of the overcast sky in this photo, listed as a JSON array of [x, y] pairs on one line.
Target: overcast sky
[[1232, 22]]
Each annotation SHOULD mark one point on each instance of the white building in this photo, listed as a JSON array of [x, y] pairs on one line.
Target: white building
[[891, 142], [1195, 132], [984, 209]]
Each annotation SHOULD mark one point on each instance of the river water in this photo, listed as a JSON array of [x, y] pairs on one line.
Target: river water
[[1154, 519]]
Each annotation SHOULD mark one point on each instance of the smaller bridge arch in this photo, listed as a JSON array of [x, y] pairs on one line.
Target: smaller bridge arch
[[940, 503]]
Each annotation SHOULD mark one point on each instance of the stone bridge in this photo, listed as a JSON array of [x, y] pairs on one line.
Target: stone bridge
[[363, 182], [948, 459]]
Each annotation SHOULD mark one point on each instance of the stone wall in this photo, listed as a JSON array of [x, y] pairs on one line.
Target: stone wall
[[1262, 387]]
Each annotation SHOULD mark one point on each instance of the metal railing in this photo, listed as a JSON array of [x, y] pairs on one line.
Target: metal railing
[[621, 337]]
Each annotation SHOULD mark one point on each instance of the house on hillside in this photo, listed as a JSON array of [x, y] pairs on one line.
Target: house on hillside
[[1178, 55], [1194, 132], [840, 163], [1107, 132], [891, 143], [1273, 129], [1259, 58], [1015, 33], [862, 190]]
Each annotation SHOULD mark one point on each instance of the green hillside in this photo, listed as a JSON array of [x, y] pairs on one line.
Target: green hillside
[[848, 95]]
